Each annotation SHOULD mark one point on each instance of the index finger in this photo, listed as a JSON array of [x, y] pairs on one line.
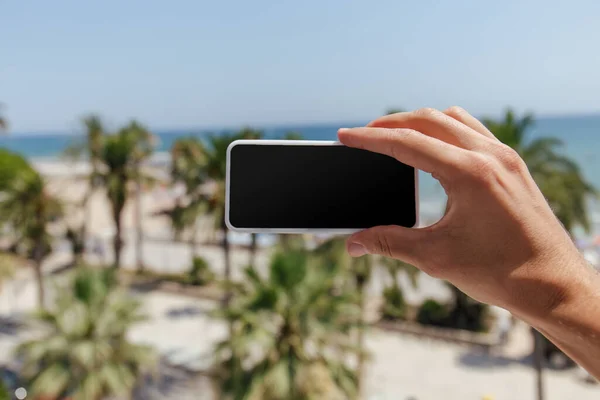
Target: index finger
[[407, 146]]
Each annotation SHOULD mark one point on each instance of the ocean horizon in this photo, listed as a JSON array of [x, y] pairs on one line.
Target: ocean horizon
[[580, 136]]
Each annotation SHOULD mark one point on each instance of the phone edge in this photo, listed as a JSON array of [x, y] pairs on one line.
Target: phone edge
[[233, 228]]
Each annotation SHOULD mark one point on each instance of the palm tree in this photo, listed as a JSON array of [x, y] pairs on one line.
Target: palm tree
[[90, 148], [3, 122], [559, 179], [120, 157], [333, 253], [7, 269], [290, 334], [188, 161], [394, 306], [12, 166], [144, 148], [292, 135], [4, 393], [248, 133], [335, 257], [394, 110], [85, 353], [216, 171], [27, 207]]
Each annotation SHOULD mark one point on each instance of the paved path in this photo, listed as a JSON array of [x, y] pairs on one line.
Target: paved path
[[401, 366]]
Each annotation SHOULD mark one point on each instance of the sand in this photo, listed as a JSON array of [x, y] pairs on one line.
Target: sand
[[400, 366]]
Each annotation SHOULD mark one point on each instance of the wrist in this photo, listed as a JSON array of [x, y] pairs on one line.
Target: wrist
[[552, 291]]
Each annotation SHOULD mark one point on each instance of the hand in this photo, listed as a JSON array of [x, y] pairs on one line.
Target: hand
[[498, 241]]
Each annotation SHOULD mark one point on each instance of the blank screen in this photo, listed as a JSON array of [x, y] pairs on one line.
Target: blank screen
[[318, 187]]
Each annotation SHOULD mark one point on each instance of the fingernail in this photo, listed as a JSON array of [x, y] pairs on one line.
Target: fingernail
[[356, 249]]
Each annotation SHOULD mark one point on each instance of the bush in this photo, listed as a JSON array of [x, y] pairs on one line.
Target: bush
[[467, 313], [76, 241], [394, 306], [432, 313], [200, 273], [4, 394], [7, 267], [471, 317]]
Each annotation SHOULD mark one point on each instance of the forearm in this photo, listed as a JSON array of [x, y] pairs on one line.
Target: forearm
[[573, 322]]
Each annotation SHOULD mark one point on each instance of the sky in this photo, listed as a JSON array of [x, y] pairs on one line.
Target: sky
[[185, 63]]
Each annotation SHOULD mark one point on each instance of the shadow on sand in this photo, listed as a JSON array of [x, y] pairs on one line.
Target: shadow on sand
[[11, 325]]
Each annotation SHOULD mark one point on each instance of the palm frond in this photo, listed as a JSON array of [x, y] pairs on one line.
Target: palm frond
[[85, 351], [276, 324]]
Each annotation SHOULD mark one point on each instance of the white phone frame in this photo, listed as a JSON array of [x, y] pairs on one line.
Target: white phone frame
[[294, 230]]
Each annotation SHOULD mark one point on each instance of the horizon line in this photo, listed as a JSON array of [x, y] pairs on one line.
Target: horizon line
[[263, 126]]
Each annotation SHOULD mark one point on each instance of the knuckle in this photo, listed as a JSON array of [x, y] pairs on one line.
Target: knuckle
[[395, 136], [455, 111], [482, 167], [509, 158], [426, 113]]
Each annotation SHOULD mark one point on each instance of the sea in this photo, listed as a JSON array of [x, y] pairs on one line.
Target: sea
[[580, 136]]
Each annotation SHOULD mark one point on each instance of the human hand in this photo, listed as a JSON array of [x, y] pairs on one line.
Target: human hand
[[498, 241]]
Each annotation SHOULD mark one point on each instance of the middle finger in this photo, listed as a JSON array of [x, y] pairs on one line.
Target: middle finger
[[436, 124]]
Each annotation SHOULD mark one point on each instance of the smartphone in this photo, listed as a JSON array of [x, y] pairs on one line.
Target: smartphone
[[298, 186]]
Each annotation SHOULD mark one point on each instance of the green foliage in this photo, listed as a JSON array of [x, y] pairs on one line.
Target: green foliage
[[187, 161], [293, 136], [467, 313], [85, 352], [76, 241], [13, 167], [4, 393], [194, 164], [559, 178], [90, 146], [433, 313], [394, 111], [216, 170], [277, 323], [464, 313], [119, 158], [200, 273], [3, 122], [395, 267], [394, 306], [25, 206], [7, 267], [334, 258]]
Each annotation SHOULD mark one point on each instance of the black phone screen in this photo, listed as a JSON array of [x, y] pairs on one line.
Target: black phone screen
[[318, 187]]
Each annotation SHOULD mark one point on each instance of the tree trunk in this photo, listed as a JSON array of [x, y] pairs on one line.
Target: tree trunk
[[87, 216], [538, 362], [195, 246], [253, 248], [37, 264], [284, 241], [227, 260], [139, 262], [360, 340], [117, 241]]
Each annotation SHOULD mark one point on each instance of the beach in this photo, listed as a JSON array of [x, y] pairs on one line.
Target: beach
[[578, 134], [182, 332]]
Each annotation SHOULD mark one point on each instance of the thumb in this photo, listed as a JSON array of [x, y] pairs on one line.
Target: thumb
[[389, 241]]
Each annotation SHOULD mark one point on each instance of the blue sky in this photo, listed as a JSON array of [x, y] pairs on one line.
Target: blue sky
[[177, 64]]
